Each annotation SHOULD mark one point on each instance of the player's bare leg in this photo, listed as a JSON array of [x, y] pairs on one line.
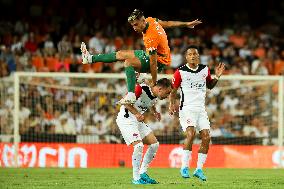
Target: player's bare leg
[[131, 65], [187, 151], [205, 140], [190, 134], [150, 154], [202, 154], [136, 160]]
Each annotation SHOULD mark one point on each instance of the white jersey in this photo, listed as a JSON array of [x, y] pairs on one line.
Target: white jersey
[[144, 100], [192, 84]]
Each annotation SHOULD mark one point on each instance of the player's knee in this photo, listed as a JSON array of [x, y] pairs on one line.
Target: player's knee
[[206, 138], [190, 135], [139, 144], [138, 148], [119, 54], [127, 63], [155, 146]]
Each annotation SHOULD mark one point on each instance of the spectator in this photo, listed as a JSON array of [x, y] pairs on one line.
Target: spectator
[[177, 58]]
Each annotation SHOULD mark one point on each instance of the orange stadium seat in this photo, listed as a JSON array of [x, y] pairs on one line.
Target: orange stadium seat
[[86, 67], [51, 63], [97, 67], [38, 62], [279, 67]]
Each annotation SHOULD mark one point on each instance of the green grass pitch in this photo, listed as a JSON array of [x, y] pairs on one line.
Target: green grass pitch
[[120, 178]]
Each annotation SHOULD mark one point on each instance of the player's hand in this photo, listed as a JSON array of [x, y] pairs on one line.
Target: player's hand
[[219, 69], [152, 84], [172, 109], [157, 116], [139, 117], [148, 82], [193, 23]]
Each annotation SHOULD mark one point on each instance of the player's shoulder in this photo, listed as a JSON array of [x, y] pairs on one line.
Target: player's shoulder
[[138, 87], [151, 19], [147, 90], [144, 86]]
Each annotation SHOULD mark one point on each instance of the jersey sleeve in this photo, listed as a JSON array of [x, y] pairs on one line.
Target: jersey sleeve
[[176, 81], [138, 91], [208, 78]]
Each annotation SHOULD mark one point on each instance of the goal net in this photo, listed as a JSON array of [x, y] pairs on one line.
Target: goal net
[[81, 108], [6, 109]]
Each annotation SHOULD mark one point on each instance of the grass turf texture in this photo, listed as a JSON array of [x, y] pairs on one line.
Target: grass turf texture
[[120, 178]]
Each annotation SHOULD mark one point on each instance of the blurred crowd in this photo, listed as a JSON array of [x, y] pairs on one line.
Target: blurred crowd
[[244, 50]]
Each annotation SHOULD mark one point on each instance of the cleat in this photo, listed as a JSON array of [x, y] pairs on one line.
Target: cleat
[[86, 57], [130, 98], [199, 174], [185, 172], [140, 181], [147, 179]]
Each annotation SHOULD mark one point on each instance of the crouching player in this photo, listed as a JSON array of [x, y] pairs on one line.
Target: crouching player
[[137, 133]]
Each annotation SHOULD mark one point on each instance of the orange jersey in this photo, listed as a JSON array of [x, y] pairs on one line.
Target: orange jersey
[[155, 38]]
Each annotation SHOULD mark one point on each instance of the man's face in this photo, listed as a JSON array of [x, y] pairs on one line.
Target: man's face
[[139, 24], [192, 56], [163, 92]]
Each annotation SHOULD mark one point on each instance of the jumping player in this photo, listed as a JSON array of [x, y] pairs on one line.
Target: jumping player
[[154, 59]]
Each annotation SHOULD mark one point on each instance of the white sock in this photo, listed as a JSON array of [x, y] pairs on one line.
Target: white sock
[[149, 156], [90, 59], [201, 160], [136, 159], [186, 157]]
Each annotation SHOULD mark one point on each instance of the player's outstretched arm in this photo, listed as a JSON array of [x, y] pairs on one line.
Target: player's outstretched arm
[[218, 72], [170, 24], [134, 111]]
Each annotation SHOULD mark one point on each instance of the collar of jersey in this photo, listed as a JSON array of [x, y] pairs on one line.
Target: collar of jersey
[[147, 26], [192, 68]]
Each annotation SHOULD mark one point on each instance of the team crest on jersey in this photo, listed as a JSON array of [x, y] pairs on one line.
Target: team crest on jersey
[[197, 85], [135, 134], [188, 121]]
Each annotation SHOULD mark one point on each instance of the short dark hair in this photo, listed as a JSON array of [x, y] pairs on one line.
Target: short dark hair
[[164, 82], [136, 14], [193, 47]]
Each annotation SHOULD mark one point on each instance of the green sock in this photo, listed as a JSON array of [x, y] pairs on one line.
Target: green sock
[[106, 58], [130, 78]]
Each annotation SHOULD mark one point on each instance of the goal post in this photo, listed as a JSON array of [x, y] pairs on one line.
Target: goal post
[[233, 107]]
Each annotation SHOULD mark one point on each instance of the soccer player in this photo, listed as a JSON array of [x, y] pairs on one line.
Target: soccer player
[[156, 57], [137, 133], [193, 78]]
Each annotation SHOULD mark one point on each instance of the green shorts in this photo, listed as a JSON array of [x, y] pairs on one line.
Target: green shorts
[[145, 62]]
